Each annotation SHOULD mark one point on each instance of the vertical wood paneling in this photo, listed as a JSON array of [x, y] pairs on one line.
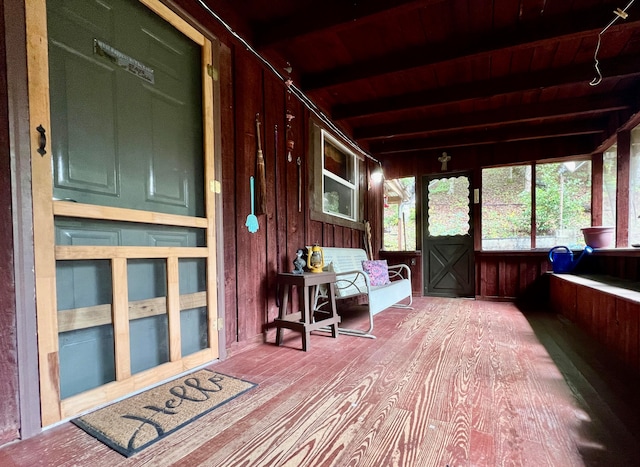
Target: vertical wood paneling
[[489, 279], [611, 321], [357, 240], [596, 188], [563, 297], [603, 314], [295, 207], [252, 261], [622, 188], [295, 211], [9, 416], [315, 233], [328, 234], [512, 277], [628, 314], [338, 236], [413, 261], [274, 156], [229, 213], [251, 246], [584, 309]]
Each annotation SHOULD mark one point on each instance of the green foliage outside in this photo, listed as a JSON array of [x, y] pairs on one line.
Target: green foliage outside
[[506, 201], [563, 198], [449, 207], [563, 201], [392, 217]]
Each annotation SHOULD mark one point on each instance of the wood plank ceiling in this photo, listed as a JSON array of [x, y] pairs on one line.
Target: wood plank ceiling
[[409, 76]]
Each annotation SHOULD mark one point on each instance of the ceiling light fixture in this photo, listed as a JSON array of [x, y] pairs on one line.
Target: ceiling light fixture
[[377, 175]]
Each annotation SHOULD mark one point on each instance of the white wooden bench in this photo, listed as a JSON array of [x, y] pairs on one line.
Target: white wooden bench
[[352, 282]]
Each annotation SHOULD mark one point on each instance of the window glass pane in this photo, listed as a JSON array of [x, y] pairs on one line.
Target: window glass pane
[[148, 322], [400, 214], [193, 303], [563, 203], [338, 162], [338, 198], [634, 188], [506, 208], [609, 168], [86, 343], [448, 201]]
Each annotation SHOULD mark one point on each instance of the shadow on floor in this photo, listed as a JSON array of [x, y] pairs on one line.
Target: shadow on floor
[[609, 423]]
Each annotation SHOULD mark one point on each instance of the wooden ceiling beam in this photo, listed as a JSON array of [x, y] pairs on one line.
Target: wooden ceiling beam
[[509, 115], [329, 16], [491, 136], [523, 151], [624, 65], [519, 151], [539, 33]]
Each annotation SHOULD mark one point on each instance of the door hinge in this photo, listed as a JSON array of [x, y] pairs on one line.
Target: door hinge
[[211, 71], [220, 324], [215, 187]]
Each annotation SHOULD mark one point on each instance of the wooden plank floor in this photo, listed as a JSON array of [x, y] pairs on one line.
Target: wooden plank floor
[[451, 383]]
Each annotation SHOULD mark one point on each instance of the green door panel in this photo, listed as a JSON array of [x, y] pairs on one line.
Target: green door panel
[[126, 131], [118, 139]]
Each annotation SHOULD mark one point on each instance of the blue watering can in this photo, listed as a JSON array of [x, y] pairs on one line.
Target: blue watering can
[[562, 260]]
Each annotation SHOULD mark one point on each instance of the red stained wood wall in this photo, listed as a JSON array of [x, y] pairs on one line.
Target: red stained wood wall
[[613, 322], [253, 260], [9, 415], [513, 276]]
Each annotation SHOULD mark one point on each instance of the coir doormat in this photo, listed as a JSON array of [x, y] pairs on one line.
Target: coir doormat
[[139, 421]]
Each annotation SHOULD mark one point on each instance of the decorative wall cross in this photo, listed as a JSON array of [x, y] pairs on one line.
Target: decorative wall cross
[[444, 158]]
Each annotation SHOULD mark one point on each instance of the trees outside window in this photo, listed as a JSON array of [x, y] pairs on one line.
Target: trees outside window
[[609, 186], [506, 200], [562, 205], [400, 214]]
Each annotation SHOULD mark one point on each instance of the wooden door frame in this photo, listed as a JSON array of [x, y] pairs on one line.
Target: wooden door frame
[[53, 409], [23, 255]]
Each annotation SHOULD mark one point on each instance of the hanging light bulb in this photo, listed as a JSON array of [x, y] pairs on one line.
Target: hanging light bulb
[[377, 175]]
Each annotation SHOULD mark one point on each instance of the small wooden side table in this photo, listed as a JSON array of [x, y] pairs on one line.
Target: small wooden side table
[[304, 321]]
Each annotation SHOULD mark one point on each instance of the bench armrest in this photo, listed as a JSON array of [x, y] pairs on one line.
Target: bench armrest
[[343, 282], [396, 272]]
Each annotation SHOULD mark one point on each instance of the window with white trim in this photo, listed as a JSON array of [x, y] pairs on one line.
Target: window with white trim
[[339, 179]]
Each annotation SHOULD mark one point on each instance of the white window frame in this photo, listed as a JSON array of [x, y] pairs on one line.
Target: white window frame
[[352, 186]]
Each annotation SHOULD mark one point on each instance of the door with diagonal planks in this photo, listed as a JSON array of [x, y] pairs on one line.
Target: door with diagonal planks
[[448, 236]]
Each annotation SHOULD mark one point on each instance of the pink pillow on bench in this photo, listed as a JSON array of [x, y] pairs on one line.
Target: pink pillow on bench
[[378, 271]]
